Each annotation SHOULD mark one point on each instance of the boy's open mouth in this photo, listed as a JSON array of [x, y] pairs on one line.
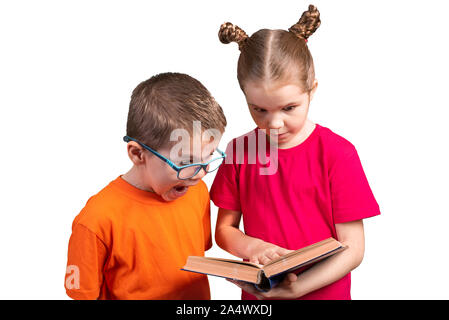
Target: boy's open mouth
[[181, 188]]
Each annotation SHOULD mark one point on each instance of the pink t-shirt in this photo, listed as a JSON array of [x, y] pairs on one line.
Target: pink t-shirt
[[317, 184]]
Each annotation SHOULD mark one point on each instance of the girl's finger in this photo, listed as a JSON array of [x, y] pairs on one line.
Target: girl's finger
[[248, 288], [273, 255], [283, 251], [291, 277], [264, 260], [254, 260], [236, 282]]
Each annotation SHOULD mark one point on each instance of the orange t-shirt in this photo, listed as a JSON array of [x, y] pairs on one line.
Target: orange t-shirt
[[127, 243]]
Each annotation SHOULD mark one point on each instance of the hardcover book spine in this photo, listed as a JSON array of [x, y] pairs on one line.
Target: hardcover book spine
[[267, 283], [264, 283]]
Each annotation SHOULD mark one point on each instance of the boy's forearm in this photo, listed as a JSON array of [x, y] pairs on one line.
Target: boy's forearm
[[328, 271]]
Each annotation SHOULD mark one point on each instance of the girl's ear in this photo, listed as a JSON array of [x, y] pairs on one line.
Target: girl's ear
[[312, 92]]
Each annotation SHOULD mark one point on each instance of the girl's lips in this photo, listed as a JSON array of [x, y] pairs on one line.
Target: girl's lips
[[280, 136]]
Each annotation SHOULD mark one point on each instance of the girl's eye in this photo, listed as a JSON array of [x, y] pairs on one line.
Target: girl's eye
[[185, 162], [259, 110], [289, 108]]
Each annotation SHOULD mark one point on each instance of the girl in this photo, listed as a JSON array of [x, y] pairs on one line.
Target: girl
[[319, 189]]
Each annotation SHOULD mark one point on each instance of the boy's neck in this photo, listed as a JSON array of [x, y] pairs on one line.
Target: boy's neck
[[133, 178]]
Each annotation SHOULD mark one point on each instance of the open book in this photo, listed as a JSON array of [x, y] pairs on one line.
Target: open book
[[267, 276]]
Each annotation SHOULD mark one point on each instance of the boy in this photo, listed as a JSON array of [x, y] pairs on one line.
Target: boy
[[133, 237]]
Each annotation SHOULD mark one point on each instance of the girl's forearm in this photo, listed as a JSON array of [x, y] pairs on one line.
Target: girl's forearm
[[235, 241], [328, 271]]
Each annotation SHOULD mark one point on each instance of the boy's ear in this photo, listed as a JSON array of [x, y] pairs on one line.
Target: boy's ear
[[312, 92], [135, 153]]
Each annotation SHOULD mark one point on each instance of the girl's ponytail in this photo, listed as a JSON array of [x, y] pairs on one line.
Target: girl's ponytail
[[307, 24], [275, 55], [230, 33]]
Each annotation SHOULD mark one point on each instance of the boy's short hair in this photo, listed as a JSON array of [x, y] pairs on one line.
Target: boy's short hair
[[170, 101]]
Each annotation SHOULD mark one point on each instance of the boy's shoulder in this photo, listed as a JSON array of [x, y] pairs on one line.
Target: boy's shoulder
[[108, 207], [100, 208]]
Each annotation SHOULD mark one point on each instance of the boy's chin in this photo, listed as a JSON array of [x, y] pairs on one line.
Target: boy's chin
[[175, 193]]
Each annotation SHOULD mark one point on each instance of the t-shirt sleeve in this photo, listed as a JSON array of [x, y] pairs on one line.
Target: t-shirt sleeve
[[225, 188], [352, 198], [86, 257], [206, 221]]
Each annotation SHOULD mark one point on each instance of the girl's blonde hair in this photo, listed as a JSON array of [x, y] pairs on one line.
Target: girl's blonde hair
[[275, 55]]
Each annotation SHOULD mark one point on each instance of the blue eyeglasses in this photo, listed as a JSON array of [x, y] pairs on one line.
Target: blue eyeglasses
[[187, 171]]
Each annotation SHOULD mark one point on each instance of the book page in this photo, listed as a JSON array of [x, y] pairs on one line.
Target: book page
[[303, 255], [302, 250], [258, 266]]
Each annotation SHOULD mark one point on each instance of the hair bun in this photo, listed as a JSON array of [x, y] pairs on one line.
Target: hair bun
[[307, 24], [230, 33]]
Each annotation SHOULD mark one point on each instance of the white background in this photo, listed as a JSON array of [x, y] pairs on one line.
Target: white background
[[67, 69]]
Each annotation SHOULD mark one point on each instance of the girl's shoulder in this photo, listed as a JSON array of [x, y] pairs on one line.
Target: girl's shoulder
[[322, 141], [333, 144]]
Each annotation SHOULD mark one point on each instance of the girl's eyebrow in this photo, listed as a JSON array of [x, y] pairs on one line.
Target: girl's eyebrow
[[193, 159], [287, 105]]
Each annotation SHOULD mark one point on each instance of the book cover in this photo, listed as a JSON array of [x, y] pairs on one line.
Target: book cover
[[264, 277]]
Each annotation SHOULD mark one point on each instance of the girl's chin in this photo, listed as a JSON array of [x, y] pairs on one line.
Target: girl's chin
[[281, 139]]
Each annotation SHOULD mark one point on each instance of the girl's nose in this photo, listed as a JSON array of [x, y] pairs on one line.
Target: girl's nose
[[199, 175], [275, 123]]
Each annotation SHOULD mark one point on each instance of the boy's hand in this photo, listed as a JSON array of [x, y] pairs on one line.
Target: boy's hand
[[287, 289], [263, 252]]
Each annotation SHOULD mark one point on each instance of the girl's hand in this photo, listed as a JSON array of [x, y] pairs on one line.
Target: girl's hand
[[287, 289], [263, 252]]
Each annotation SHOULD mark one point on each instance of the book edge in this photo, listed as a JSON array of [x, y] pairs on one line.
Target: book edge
[[316, 259]]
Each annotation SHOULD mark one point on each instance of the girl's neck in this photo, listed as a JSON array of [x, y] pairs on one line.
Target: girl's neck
[[301, 136]]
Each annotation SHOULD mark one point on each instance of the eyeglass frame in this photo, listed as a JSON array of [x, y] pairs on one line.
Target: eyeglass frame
[[174, 166]]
